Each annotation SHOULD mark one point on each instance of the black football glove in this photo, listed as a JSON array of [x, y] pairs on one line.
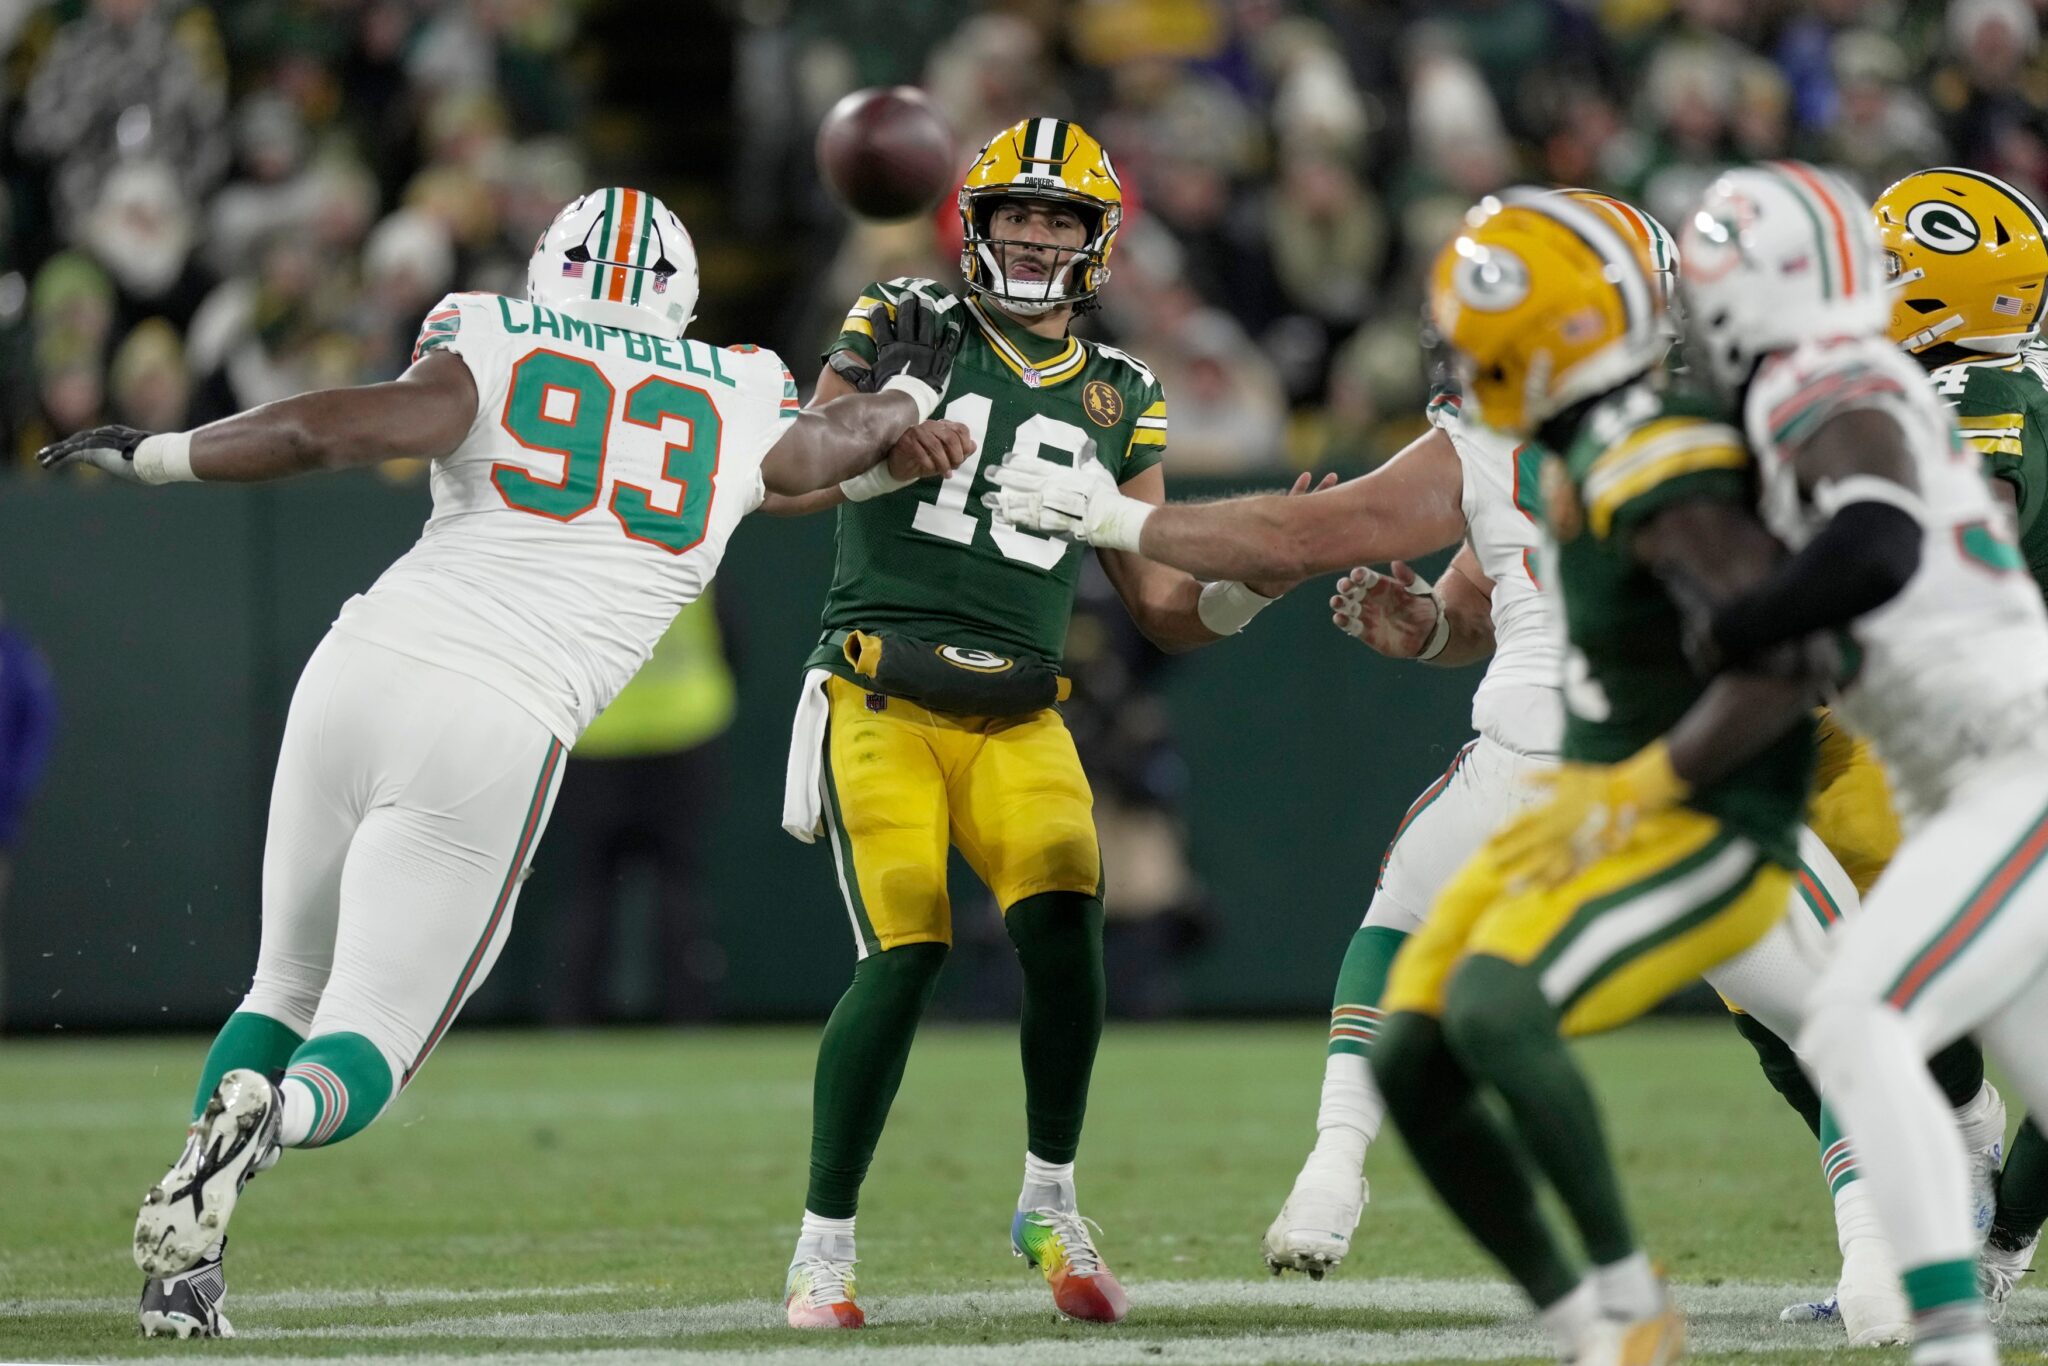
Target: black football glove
[[919, 343], [108, 448]]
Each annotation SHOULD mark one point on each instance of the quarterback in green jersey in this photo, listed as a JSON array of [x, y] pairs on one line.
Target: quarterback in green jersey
[[1967, 256], [927, 718]]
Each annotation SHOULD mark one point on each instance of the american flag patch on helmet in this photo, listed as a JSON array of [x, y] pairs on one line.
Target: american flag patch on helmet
[[2008, 305], [574, 269]]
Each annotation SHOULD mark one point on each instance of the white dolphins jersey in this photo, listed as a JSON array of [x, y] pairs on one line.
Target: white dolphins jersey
[[591, 500], [1517, 703], [1955, 668]]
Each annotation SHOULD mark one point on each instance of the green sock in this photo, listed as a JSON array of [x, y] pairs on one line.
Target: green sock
[[1782, 1070], [1959, 1071], [2022, 1190], [860, 1065], [1945, 1300], [1355, 1010], [246, 1040], [1505, 1032], [1059, 945], [351, 1083], [1467, 1156]]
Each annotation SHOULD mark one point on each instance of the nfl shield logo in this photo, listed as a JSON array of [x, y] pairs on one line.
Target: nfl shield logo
[[1031, 378]]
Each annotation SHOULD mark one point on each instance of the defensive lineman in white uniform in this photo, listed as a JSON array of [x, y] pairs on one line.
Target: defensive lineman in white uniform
[[1894, 526], [589, 466]]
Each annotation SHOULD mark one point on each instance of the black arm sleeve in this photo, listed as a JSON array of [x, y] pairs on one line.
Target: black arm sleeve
[[1860, 560]]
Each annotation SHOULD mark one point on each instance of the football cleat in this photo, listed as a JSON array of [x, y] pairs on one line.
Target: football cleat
[[1999, 1269], [187, 1305], [1058, 1243], [819, 1294], [1657, 1340], [187, 1212], [1870, 1298], [1312, 1232], [1828, 1310]]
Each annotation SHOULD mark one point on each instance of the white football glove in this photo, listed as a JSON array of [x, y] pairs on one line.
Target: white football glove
[[1396, 613], [1078, 503]]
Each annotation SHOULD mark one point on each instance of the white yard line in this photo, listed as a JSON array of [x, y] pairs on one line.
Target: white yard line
[[313, 1299]]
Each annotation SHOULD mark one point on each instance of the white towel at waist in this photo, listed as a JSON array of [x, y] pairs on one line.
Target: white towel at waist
[[803, 783]]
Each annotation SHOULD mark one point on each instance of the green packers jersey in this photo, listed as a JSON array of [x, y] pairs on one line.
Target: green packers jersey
[[929, 561], [2001, 405], [1626, 678]]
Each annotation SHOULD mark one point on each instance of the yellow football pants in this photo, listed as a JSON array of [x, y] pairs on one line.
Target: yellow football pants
[[1852, 805], [1681, 895], [904, 782]]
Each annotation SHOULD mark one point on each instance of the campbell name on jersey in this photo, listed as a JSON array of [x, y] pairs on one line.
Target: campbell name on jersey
[[1516, 703], [591, 499], [1963, 648], [929, 561], [1626, 677], [2001, 408]]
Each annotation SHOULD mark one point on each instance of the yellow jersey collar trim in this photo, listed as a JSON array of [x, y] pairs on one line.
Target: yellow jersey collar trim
[[1005, 339]]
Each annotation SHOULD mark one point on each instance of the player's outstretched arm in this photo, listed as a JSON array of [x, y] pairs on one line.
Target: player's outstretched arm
[[839, 444], [1408, 507], [422, 414]]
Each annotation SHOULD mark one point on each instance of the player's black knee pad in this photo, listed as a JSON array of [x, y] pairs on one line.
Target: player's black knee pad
[[1959, 1071]]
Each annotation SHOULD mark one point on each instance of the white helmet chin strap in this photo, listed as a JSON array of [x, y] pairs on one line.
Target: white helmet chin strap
[[1928, 336]]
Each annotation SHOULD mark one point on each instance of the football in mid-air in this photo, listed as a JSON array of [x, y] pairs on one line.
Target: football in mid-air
[[886, 152]]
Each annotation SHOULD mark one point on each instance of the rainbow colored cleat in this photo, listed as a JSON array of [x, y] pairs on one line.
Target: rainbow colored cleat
[[819, 1294], [1058, 1243]]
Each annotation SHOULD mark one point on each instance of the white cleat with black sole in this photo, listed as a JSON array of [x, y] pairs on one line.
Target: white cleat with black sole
[[1312, 1233], [187, 1305], [187, 1212], [1999, 1269]]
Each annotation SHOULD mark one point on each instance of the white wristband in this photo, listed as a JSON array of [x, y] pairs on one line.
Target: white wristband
[[1439, 634], [165, 459], [1226, 607], [1117, 523], [923, 395], [872, 482]]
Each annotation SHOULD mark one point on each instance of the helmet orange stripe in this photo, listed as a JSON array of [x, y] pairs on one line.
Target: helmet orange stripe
[[628, 211], [1805, 176]]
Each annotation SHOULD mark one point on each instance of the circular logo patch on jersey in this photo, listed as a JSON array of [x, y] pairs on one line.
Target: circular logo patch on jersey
[[1492, 282], [980, 661], [1103, 404], [1943, 227]]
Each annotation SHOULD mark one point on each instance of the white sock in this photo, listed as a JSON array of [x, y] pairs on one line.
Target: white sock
[[1047, 1185], [831, 1239], [1567, 1320], [1348, 1119], [1628, 1289], [300, 1106], [1982, 1120], [1856, 1215]]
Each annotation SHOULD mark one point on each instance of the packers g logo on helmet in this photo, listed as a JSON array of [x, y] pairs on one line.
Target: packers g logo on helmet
[[1545, 302], [1942, 227], [1041, 159], [1965, 255]]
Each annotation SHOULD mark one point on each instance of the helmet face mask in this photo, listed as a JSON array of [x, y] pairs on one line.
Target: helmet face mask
[[618, 258], [1965, 255], [1049, 164]]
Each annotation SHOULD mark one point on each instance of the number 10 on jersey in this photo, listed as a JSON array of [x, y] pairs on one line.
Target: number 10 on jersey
[[563, 405]]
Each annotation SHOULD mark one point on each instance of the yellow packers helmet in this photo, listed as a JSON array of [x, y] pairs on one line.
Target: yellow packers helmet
[[1653, 237], [1965, 257], [1040, 159], [1546, 303]]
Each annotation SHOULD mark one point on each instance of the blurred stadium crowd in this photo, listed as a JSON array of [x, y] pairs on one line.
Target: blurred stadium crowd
[[210, 206]]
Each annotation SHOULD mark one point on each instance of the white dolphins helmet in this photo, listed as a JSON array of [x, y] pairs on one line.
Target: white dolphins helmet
[[620, 258], [1775, 255]]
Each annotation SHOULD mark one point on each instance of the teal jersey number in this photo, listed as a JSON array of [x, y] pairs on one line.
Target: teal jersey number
[[563, 405]]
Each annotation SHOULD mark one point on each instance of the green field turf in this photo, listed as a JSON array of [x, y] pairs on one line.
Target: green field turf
[[619, 1198]]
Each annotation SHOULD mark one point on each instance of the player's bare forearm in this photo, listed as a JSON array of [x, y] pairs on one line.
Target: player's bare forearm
[[803, 504], [1738, 717], [834, 441], [1164, 603], [1467, 597], [423, 414], [1408, 507]]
